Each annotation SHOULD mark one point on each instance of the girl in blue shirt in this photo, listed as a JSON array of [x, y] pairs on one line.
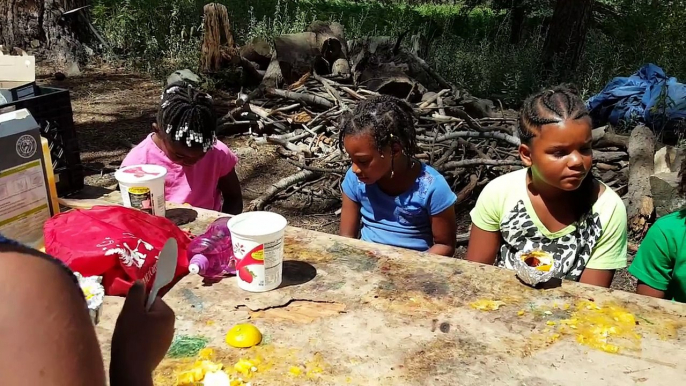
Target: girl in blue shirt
[[401, 201]]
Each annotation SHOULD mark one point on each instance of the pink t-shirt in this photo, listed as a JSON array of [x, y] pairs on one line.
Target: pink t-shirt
[[196, 185]]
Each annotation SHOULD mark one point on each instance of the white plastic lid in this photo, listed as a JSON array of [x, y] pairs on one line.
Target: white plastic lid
[[257, 223], [194, 269], [140, 173]]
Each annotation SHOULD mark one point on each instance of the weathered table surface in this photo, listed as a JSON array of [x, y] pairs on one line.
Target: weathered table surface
[[355, 313]]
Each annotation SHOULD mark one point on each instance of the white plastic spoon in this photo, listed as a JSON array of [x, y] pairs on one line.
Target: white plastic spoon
[[166, 266]]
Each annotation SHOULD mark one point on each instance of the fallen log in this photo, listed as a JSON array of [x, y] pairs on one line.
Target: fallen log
[[341, 68], [318, 49], [296, 54], [252, 69], [512, 140], [639, 206], [478, 162], [273, 78], [260, 202], [603, 138], [391, 81], [466, 192], [330, 40], [309, 99], [608, 156], [257, 51]]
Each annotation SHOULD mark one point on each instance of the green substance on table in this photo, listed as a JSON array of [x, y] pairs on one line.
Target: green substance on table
[[185, 346]]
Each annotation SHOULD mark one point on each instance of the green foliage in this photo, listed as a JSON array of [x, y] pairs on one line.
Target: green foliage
[[154, 35], [470, 39], [184, 346]]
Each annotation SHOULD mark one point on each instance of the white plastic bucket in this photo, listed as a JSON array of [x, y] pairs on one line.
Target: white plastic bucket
[[142, 187], [257, 239]]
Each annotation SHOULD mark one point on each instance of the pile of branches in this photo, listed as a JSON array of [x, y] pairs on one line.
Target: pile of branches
[[308, 80], [302, 121]]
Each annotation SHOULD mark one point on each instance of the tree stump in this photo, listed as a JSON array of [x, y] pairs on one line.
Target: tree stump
[[218, 45], [640, 202]]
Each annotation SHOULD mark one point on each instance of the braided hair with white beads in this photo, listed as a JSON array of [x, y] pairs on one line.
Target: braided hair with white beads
[[187, 116]]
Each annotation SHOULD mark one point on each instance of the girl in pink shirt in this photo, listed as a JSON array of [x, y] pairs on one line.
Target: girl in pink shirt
[[200, 169]]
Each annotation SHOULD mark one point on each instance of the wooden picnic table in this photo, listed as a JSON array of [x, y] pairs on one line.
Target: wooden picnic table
[[355, 313]]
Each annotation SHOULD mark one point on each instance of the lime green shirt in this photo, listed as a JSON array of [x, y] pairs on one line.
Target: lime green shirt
[[597, 241], [661, 259]]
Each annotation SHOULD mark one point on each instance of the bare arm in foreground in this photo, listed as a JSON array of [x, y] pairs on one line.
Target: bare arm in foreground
[[48, 337]]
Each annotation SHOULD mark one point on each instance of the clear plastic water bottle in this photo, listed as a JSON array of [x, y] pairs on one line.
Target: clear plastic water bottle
[[211, 254]]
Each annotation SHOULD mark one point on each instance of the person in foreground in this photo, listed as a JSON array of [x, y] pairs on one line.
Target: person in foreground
[[554, 204], [47, 334], [401, 201], [660, 263], [200, 169]]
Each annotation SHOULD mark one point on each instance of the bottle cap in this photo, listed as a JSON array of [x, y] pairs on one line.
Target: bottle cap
[[198, 264]]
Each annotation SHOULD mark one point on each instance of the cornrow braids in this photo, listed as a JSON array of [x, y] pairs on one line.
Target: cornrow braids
[[388, 119], [549, 106], [187, 115]]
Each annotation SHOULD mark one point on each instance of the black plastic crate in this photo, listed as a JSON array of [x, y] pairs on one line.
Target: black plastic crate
[[51, 108], [24, 91]]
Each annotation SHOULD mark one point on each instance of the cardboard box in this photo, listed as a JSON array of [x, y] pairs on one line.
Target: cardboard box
[[17, 77], [25, 199]]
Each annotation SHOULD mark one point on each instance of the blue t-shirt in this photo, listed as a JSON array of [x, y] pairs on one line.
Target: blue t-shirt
[[405, 220]]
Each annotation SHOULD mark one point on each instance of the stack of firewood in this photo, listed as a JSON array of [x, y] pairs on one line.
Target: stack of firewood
[[303, 122], [308, 80]]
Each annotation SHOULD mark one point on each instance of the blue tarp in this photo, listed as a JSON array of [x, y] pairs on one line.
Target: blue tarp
[[647, 96]]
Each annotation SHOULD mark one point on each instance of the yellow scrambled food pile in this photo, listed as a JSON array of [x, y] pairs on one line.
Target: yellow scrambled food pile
[[487, 305], [207, 371], [205, 367], [608, 328]]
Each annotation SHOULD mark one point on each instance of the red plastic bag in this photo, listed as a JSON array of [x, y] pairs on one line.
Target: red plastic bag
[[120, 244]]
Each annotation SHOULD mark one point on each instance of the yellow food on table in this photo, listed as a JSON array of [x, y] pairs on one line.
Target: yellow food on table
[[295, 371], [197, 372], [87, 293], [243, 336], [245, 367], [538, 259], [487, 305]]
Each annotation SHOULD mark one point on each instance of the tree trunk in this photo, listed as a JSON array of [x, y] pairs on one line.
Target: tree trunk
[[639, 207], [41, 26], [518, 19], [218, 45], [566, 36]]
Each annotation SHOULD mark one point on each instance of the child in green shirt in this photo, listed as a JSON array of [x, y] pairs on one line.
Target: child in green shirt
[[660, 264]]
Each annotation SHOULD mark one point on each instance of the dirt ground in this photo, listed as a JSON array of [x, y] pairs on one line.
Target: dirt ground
[[114, 109]]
